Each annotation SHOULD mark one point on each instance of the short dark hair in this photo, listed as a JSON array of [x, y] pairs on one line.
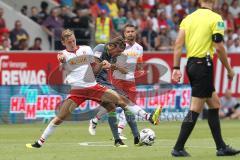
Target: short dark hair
[[129, 25], [126, 26], [44, 5], [38, 39]]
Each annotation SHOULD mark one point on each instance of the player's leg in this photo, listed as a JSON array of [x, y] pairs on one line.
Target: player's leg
[[112, 121], [130, 118], [214, 124], [137, 110], [121, 122], [111, 96], [66, 108], [188, 125], [94, 121], [202, 87], [129, 88]]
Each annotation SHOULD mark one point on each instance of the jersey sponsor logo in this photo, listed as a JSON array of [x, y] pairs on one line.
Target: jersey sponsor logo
[[132, 54], [78, 60]]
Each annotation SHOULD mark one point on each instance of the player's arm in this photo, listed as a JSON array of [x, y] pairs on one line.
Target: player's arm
[[123, 70], [61, 58], [217, 38], [176, 75], [139, 68], [97, 65], [221, 52]]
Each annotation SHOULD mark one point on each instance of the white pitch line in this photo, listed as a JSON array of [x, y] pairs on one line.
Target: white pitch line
[[96, 144], [106, 144]]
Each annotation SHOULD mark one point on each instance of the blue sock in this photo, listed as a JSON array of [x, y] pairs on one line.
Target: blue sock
[[132, 123], [112, 120]]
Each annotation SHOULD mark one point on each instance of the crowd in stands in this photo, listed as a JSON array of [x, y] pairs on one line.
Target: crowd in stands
[[230, 106], [99, 20]]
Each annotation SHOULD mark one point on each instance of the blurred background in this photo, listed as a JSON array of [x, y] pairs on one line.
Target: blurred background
[[36, 24], [30, 38]]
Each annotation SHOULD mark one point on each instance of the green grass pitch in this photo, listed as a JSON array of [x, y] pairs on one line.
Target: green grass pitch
[[64, 144]]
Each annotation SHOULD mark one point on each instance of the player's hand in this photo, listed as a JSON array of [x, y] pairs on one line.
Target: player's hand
[[176, 75], [106, 64], [61, 57], [114, 67], [230, 74]]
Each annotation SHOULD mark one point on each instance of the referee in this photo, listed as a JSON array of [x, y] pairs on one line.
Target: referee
[[201, 31]]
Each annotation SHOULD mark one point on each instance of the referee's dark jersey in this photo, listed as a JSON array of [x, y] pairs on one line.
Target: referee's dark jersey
[[199, 28]]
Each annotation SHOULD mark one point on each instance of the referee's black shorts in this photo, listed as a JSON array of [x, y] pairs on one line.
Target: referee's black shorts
[[200, 74]]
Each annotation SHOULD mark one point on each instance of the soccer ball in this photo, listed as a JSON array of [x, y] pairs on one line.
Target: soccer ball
[[147, 137]]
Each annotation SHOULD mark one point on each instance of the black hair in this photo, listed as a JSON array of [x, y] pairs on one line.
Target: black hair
[[44, 5]]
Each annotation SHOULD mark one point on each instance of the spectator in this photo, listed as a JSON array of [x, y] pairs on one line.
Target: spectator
[[104, 28], [17, 34], [4, 34], [120, 21], [162, 19], [53, 26], [66, 14], [227, 104], [125, 4], [94, 9], [37, 44], [229, 44], [236, 113], [191, 7], [102, 4], [80, 4], [235, 47], [34, 14], [43, 14], [237, 22], [149, 37], [112, 5], [2, 21], [68, 3], [5, 45], [229, 23], [177, 8], [80, 25], [24, 10], [234, 9], [230, 35], [145, 5], [224, 10], [173, 24], [5, 42], [144, 20], [135, 17], [130, 19], [152, 16], [23, 45], [165, 42], [162, 7]]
